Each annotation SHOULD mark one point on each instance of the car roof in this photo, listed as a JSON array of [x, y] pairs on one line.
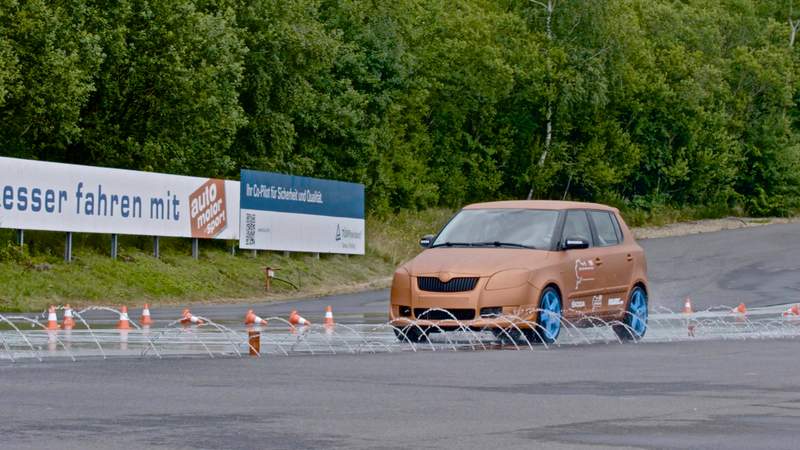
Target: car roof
[[540, 204]]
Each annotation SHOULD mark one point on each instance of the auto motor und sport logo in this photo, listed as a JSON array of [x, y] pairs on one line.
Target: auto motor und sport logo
[[207, 209]]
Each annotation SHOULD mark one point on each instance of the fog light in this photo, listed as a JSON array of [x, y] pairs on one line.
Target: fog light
[[494, 311], [405, 311]]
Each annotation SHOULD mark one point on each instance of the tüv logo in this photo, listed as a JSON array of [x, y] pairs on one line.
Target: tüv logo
[[338, 233]]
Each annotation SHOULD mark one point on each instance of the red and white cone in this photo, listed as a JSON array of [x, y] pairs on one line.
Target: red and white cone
[[252, 319], [190, 319], [146, 320], [124, 322], [69, 321], [52, 318], [329, 317], [296, 319], [687, 306], [792, 312]]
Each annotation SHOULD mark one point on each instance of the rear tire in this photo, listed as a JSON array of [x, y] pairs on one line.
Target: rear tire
[[635, 317]]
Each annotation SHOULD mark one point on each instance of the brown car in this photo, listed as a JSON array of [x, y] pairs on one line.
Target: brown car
[[520, 267]]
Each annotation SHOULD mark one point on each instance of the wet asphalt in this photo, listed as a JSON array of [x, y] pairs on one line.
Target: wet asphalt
[[726, 395], [734, 394]]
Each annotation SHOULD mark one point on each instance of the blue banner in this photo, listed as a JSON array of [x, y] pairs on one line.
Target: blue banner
[[268, 191]]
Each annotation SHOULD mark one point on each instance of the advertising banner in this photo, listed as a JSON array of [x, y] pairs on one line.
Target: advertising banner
[[286, 212], [36, 195]]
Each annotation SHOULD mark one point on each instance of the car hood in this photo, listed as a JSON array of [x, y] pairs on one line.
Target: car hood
[[474, 261]]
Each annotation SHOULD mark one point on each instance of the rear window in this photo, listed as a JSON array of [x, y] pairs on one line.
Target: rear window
[[606, 227]]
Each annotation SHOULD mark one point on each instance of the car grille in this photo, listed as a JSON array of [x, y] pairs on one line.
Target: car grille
[[433, 284], [459, 314]]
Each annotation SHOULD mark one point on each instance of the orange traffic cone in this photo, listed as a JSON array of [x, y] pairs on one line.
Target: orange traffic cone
[[189, 318], [52, 318], [68, 322], [687, 306], [297, 319], [146, 320], [329, 316], [793, 311], [252, 319], [741, 309], [124, 322]]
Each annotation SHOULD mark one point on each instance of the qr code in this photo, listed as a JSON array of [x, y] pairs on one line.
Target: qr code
[[250, 229]]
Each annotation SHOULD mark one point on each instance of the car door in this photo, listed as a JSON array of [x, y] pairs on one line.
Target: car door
[[582, 270], [617, 265]]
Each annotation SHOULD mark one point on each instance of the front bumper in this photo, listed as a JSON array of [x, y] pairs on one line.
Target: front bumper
[[408, 302], [483, 323]]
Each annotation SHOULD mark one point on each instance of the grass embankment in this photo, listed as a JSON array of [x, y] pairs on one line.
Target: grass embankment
[[37, 276]]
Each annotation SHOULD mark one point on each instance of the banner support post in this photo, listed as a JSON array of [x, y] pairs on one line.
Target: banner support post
[[21, 237], [68, 248], [195, 248], [156, 249], [114, 245]]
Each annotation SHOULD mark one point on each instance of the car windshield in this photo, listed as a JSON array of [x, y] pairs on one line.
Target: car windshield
[[499, 228]]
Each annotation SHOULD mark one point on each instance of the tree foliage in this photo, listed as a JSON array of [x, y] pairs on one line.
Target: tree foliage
[[650, 102]]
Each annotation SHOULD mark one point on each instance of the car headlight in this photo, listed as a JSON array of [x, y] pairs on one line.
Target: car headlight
[[401, 286], [508, 279]]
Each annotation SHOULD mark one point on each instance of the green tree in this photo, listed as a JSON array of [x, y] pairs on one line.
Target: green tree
[[47, 60], [166, 93]]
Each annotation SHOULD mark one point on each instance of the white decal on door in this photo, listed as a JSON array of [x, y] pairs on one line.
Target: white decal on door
[[578, 304], [583, 267]]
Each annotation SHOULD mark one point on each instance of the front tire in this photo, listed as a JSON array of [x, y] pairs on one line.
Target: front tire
[[411, 333], [548, 317], [548, 322], [635, 321]]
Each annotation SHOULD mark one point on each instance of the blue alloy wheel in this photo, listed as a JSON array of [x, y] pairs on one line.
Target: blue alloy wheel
[[635, 318], [549, 316]]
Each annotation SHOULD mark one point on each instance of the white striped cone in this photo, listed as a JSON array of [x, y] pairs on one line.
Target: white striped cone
[[124, 322], [52, 318], [69, 321]]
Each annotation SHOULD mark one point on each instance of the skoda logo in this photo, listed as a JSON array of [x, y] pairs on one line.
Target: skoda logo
[[338, 233]]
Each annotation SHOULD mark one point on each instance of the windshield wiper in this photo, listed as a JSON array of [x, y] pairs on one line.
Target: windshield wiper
[[502, 244], [452, 244]]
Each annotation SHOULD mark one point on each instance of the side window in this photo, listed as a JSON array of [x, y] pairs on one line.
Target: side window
[[606, 228], [617, 228], [576, 225]]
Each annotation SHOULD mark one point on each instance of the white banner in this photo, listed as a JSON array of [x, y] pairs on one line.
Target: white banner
[[301, 232], [36, 195], [302, 214]]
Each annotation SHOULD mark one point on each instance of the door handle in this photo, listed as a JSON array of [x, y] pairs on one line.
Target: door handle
[[630, 257]]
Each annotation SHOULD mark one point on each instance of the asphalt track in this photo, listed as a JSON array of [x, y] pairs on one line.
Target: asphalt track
[[714, 394]]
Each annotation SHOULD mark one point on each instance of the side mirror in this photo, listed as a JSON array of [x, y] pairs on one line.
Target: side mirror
[[574, 243], [426, 241]]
